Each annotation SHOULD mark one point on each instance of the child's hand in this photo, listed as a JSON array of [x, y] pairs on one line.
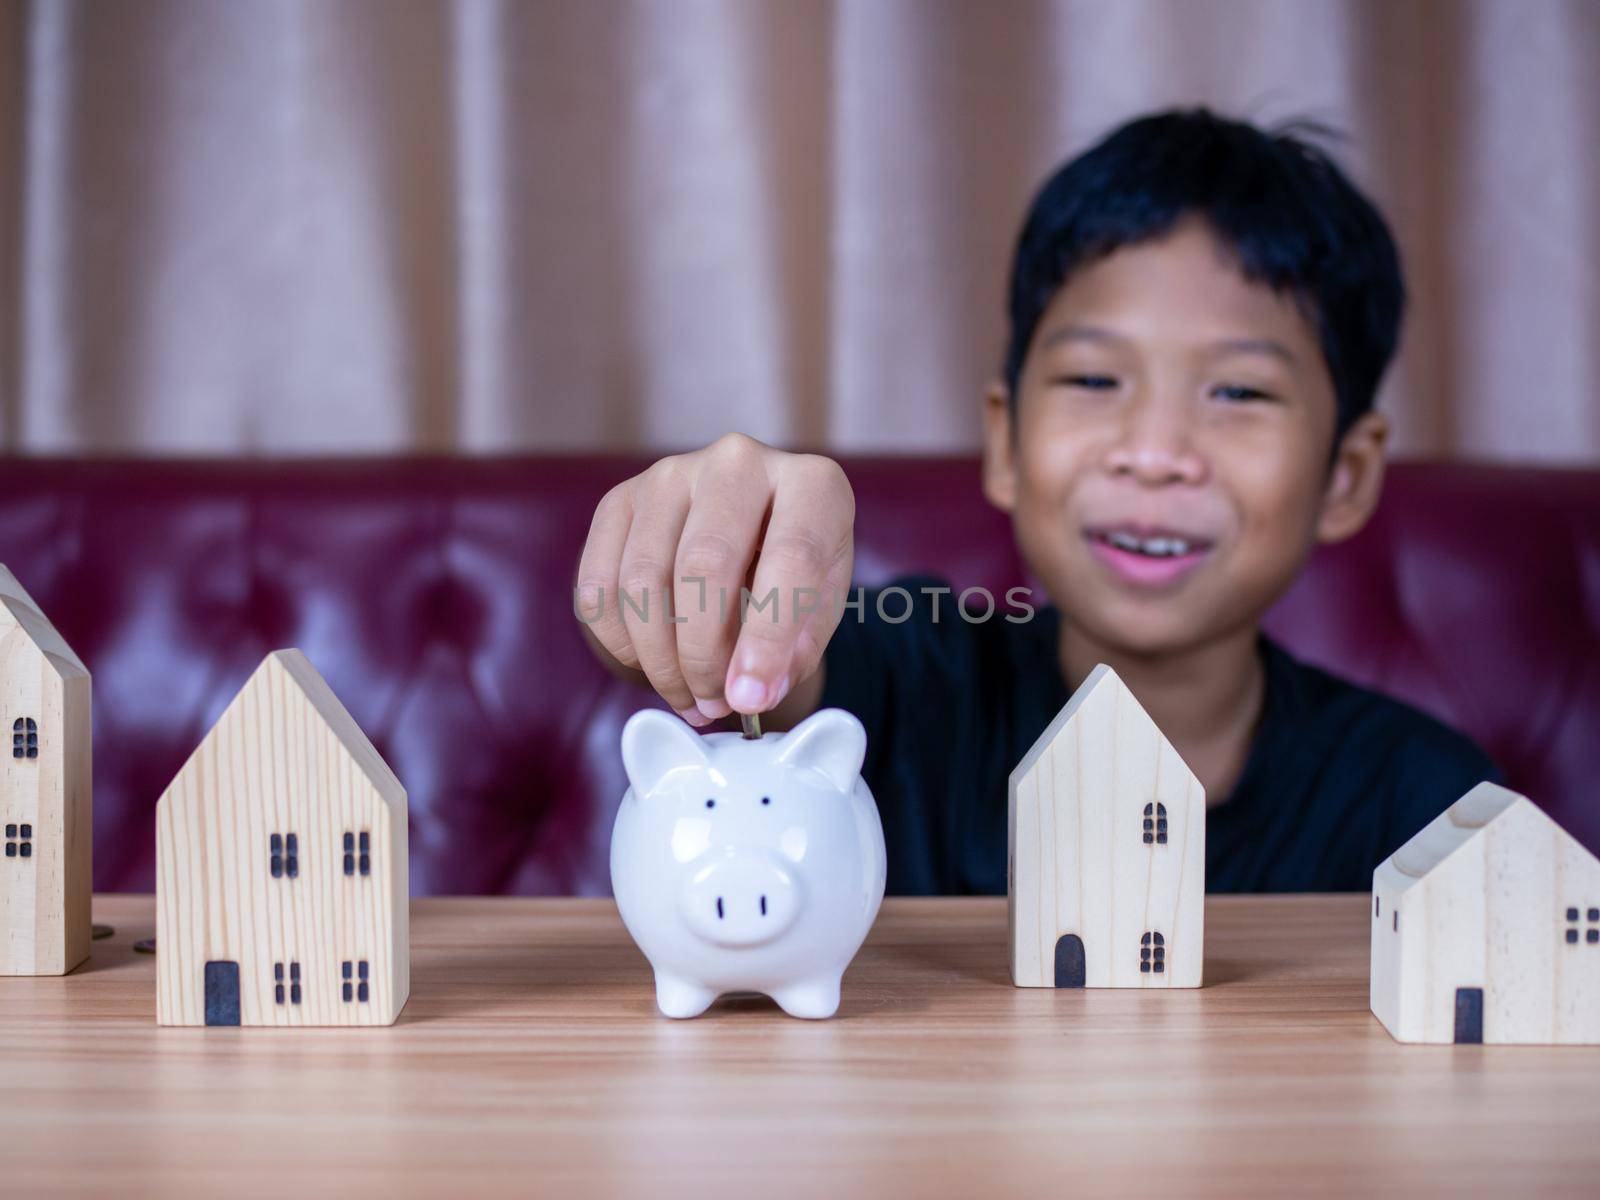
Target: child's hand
[[693, 526]]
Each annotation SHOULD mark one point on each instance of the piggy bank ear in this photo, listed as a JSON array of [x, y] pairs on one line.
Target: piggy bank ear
[[830, 741], [654, 744]]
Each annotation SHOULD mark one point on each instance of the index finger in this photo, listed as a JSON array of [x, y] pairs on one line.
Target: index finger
[[714, 554], [804, 560]]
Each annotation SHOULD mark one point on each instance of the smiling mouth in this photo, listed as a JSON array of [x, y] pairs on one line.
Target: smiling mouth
[[1147, 558], [1150, 543]]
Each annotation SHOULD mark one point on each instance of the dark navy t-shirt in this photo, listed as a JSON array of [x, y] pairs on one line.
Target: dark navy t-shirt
[[1337, 776]]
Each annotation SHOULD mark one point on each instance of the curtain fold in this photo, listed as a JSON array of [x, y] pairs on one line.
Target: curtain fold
[[380, 226]]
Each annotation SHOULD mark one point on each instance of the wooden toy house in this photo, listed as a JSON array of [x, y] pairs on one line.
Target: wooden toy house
[[1107, 830], [281, 878], [45, 792], [1486, 928]]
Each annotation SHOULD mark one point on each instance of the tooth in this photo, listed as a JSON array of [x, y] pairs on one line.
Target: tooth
[[1156, 547]]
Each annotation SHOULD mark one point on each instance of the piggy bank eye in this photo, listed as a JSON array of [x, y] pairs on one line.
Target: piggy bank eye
[[766, 799], [711, 803]]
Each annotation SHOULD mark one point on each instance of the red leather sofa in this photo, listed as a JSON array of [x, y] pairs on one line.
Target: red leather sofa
[[435, 595]]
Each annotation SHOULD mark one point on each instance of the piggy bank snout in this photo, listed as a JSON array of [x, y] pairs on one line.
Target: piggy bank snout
[[745, 899]]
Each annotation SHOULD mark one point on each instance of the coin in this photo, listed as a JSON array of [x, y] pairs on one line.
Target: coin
[[100, 932], [750, 726], [145, 946]]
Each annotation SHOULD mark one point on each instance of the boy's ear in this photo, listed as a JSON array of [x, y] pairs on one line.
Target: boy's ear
[[999, 448], [1356, 481]]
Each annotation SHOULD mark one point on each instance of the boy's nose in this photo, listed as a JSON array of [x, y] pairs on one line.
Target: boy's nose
[[1156, 445]]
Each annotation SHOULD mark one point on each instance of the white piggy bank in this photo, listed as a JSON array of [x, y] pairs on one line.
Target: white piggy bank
[[747, 864]]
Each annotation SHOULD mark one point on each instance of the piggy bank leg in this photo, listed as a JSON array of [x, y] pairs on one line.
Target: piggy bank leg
[[813, 999], [680, 998]]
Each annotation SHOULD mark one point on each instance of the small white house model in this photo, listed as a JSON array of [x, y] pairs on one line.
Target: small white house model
[[1107, 846], [45, 792], [281, 878], [1486, 928]]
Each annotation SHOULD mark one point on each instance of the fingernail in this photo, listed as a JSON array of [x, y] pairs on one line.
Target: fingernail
[[693, 716], [714, 710], [779, 693], [747, 693]]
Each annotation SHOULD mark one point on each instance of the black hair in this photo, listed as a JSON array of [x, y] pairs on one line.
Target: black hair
[[1289, 215]]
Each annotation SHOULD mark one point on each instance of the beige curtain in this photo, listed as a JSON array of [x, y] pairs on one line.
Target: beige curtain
[[375, 226]]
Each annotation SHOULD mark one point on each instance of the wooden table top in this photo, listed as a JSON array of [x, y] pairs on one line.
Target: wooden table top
[[530, 1057]]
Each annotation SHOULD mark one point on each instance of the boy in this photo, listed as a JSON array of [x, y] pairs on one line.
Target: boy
[[1200, 314]]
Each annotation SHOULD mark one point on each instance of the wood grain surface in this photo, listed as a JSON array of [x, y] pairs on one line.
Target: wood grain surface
[[1486, 927], [285, 760], [1079, 864], [530, 1060], [46, 876]]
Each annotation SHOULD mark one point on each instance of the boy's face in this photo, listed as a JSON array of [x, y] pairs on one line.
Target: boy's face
[[1169, 469]]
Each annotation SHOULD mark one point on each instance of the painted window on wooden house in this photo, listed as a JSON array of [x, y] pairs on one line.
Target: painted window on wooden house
[[283, 855], [1153, 954], [24, 738], [1583, 926], [354, 974], [357, 852], [278, 992]]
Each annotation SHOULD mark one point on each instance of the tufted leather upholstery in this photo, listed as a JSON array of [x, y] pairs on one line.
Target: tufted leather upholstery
[[435, 596]]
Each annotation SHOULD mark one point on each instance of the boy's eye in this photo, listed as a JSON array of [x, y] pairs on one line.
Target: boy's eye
[[1238, 392], [1093, 383]]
